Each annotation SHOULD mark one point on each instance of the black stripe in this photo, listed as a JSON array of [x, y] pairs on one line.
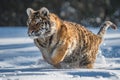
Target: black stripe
[[42, 45], [56, 45], [50, 40], [85, 61]]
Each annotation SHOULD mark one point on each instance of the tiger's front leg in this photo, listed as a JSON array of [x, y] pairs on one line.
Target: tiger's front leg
[[59, 54]]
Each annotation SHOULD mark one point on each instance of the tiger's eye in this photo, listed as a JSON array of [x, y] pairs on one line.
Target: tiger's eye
[[104, 24], [36, 16], [41, 24]]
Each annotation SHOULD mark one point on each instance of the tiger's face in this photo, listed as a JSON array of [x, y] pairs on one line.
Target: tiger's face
[[39, 23]]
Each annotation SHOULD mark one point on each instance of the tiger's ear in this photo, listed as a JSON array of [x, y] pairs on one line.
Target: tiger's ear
[[29, 11], [44, 11]]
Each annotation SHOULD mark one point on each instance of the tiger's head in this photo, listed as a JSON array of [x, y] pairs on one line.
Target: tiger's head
[[40, 23]]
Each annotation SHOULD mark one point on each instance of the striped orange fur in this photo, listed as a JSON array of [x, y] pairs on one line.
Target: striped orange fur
[[64, 44]]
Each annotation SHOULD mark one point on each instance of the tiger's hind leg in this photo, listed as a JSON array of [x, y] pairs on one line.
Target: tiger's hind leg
[[89, 66], [87, 62]]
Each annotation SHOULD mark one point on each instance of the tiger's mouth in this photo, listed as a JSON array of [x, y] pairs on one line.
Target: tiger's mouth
[[39, 34]]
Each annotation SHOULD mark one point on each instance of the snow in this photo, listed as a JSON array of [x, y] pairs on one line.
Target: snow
[[21, 60]]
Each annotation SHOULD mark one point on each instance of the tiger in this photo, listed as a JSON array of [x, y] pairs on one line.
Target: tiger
[[64, 44]]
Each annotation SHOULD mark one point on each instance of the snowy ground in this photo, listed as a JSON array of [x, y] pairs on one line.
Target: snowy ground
[[21, 60]]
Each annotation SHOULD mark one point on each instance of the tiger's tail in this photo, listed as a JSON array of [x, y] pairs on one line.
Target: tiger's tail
[[104, 28]]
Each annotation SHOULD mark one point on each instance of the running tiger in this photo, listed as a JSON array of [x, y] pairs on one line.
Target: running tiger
[[64, 44]]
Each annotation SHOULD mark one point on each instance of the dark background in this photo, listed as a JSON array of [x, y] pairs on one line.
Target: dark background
[[85, 12]]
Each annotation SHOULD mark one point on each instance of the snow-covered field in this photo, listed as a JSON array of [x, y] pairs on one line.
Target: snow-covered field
[[21, 60]]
